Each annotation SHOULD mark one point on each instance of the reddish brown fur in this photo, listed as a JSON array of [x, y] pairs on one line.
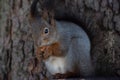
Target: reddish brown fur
[[47, 51]]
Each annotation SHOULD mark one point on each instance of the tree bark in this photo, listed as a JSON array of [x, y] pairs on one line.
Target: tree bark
[[99, 18]]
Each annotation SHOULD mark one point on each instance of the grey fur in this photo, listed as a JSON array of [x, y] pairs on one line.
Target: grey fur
[[75, 45]]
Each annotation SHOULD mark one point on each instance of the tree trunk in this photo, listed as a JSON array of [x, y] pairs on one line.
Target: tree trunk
[[99, 18]]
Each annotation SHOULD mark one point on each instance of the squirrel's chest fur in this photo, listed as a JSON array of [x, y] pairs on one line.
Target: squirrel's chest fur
[[56, 65]]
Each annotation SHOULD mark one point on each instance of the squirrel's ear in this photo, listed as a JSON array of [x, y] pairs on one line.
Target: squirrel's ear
[[34, 10], [45, 14], [48, 16], [52, 20]]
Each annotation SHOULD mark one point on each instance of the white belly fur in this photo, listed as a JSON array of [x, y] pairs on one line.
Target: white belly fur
[[55, 65]]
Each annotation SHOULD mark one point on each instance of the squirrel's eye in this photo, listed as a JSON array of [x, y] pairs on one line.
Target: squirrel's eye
[[46, 30]]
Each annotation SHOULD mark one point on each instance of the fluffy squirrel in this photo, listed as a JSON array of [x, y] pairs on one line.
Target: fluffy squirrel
[[65, 45]]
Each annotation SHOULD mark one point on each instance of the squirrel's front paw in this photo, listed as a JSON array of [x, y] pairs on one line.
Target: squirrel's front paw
[[45, 52], [51, 50]]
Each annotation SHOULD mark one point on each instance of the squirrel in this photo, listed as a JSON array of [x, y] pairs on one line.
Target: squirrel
[[65, 45]]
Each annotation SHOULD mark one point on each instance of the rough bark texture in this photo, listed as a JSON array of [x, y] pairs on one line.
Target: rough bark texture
[[99, 18]]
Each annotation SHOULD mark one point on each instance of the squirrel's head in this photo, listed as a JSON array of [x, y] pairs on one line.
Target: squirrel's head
[[48, 33], [44, 29], [42, 25]]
